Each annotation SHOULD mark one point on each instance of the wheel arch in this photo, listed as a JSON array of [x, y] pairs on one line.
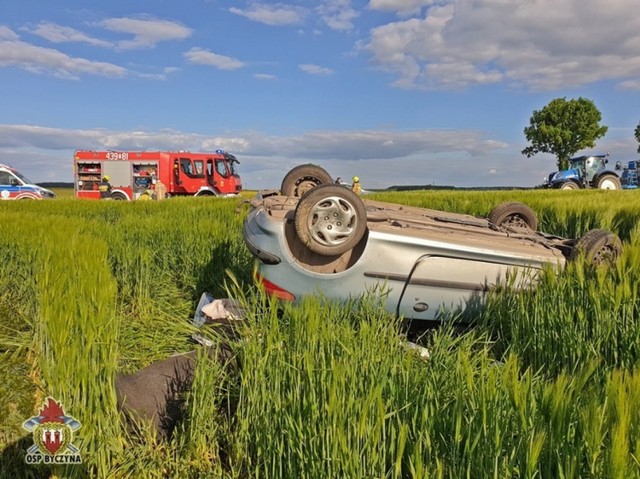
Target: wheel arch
[[118, 194]]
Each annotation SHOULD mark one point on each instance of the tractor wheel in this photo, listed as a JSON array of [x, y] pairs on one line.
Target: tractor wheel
[[302, 178], [330, 219], [609, 182], [599, 247], [569, 185], [514, 215]]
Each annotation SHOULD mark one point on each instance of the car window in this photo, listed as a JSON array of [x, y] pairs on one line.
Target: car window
[[5, 178]]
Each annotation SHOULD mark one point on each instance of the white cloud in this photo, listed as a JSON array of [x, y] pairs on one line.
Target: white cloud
[[7, 34], [540, 45], [401, 7], [315, 69], [163, 75], [200, 56], [46, 60], [264, 76], [275, 14], [630, 85], [147, 32], [59, 34], [337, 14]]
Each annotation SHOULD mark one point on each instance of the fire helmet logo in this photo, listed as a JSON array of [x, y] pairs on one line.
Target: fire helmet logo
[[52, 436]]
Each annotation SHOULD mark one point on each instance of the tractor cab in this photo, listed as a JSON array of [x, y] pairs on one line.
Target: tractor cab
[[589, 166]]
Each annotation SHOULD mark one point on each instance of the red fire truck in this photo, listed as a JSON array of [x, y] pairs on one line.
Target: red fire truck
[[131, 173]]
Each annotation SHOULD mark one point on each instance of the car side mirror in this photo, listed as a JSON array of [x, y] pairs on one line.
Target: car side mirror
[[618, 165]]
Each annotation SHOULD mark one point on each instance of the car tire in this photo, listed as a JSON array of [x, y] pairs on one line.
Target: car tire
[[302, 178], [514, 215], [599, 247], [569, 185], [330, 219], [609, 182], [118, 197]]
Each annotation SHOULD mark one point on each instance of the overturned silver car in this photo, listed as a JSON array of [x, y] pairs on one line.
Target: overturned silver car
[[316, 237]]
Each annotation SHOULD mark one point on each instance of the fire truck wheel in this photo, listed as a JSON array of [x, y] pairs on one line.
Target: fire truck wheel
[[302, 178], [599, 247], [514, 215], [118, 197], [330, 219]]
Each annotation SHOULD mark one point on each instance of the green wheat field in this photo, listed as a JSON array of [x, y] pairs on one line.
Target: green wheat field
[[544, 384]]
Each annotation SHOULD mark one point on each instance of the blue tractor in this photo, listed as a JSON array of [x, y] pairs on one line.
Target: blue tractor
[[586, 172]]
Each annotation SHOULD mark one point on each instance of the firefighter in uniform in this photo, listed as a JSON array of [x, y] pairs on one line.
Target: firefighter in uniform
[[105, 188], [355, 186], [161, 190], [146, 196]]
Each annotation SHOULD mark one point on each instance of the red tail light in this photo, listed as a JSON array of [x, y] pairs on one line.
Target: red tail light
[[273, 289]]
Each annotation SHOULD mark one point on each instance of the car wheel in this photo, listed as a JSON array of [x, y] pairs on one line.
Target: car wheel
[[514, 215], [599, 247], [569, 185], [118, 197], [609, 182], [330, 219], [302, 178]]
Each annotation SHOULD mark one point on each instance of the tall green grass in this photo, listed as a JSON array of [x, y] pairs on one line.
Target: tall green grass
[[70, 332], [330, 391], [92, 287], [76, 341], [578, 316]]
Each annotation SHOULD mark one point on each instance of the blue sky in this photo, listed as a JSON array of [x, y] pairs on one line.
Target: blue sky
[[395, 91]]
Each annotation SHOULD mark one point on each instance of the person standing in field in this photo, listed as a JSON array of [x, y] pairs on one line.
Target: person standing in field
[[161, 190], [355, 185], [105, 188]]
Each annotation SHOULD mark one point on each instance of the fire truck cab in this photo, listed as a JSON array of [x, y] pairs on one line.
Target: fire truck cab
[[131, 173], [15, 186]]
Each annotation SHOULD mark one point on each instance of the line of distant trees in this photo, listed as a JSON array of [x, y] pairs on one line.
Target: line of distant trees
[[56, 184]]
